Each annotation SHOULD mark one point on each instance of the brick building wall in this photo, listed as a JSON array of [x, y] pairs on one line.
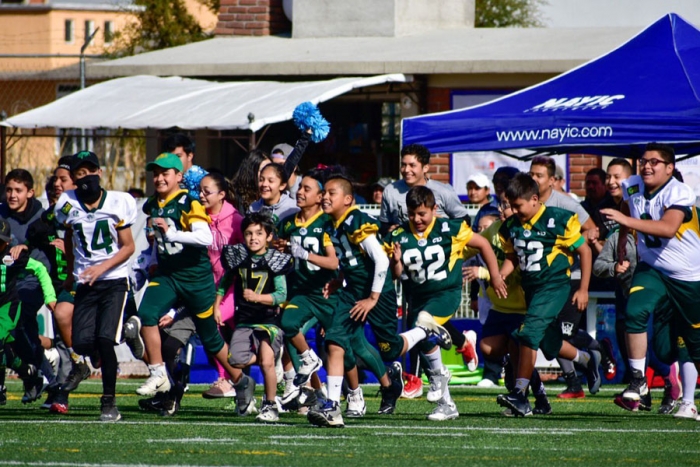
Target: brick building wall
[[251, 18]]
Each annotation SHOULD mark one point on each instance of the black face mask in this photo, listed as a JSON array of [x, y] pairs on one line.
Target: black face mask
[[88, 190]]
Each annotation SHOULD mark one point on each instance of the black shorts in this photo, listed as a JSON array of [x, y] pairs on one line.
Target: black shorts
[[98, 313]]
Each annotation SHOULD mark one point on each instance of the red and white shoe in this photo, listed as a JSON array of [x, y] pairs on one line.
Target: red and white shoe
[[413, 386], [468, 351]]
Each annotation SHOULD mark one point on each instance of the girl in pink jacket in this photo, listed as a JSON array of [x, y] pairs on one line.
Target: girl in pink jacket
[[215, 195]]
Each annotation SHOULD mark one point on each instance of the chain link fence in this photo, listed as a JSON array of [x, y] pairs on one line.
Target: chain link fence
[[28, 82]]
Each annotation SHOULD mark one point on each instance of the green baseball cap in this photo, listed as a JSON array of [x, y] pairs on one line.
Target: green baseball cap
[[166, 160]]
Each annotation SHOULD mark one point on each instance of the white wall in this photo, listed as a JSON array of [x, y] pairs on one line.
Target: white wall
[[622, 13]]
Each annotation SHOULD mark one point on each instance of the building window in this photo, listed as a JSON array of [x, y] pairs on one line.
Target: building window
[[108, 32], [69, 31], [89, 29]]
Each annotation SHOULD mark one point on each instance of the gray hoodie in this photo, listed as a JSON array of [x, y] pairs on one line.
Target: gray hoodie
[[604, 265]]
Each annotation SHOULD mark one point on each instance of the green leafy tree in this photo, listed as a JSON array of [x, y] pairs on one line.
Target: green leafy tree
[[159, 24], [508, 13]]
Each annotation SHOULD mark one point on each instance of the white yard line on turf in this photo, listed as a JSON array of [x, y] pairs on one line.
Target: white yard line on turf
[[693, 427]]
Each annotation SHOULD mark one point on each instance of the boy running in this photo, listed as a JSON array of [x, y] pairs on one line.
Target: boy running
[[98, 245], [661, 210], [184, 273], [260, 288], [430, 250], [542, 240]]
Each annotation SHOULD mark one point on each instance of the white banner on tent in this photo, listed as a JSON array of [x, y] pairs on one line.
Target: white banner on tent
[[690, 168], [465, 164]]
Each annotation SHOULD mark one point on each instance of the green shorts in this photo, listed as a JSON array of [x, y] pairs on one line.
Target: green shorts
[[540, 328], [302, 308], [163, 292], [385, 326], [9, 316], [441, 306], [674, 301], [668, 346], [64, 296]]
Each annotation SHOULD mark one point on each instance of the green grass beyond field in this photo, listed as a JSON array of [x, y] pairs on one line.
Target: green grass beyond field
[[590, 431]]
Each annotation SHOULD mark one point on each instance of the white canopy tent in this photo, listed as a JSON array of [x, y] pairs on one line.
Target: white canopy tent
[[153, 102]]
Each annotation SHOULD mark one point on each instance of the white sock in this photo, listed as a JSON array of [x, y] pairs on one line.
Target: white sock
[[305, 353], [414, 336], [582, 357], [521, 384], [689, 378], [335, 386], [446, 397], [157, 369], [434, 360], [290, 374], [638, 364]]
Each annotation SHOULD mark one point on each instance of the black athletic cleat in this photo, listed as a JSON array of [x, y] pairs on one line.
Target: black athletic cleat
[[573, 387], [78, 373], [516, 402], [34, 386], [132, 337], [391, 393], [245, 392], [592, 373], [542, 406], [637, 387], [645, 402], [110, 413], [3, 395], [668, 403], [170, 408], [153, 404], [608, 362]]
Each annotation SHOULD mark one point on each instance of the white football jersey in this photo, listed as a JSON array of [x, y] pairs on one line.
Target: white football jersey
[[677, 257], [95, 231]]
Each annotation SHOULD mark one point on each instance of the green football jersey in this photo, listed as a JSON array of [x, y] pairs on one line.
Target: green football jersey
[[544, 245], [307, 277], [432, 259], [188, 262], [357, 267]]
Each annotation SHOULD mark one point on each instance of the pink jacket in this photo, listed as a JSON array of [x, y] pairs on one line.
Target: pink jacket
[[226, 230]]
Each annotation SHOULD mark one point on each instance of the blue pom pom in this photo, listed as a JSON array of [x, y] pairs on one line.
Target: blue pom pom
[[307, 116], [192, 178]]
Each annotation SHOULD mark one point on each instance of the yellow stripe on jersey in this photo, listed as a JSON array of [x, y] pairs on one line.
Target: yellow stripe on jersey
[[423, 234], [636, 289], [442, 319], [350, 210], [459, 244], [162, 203], [692, 225], [206, 314], [197, 213], [571, 240], [299, 223], [533, 220], [327, 240], [365, 230]]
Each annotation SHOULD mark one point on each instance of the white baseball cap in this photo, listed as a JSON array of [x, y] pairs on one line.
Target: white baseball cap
[[480, 180]]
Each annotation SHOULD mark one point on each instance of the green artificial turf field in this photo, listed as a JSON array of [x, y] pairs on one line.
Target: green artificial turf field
[[590, 431]]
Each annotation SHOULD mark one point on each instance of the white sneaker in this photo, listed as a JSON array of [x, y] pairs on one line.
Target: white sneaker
[[486, 383], [444, 412], [356, 404], [268, 413], [310, 363], [157, 382], [426, 322], [439, 379], [686, 410], [291, 391]]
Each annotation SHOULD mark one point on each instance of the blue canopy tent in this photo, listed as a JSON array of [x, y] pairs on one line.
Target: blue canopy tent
[[648, 89]]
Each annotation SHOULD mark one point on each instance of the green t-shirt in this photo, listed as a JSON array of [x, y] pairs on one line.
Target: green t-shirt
[[357, 267], [307, 277], [432, 259], [544, 245], [180, 211]]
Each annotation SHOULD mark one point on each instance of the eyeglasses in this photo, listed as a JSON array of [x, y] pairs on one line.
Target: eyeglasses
[[651, 162], [206, 193]]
